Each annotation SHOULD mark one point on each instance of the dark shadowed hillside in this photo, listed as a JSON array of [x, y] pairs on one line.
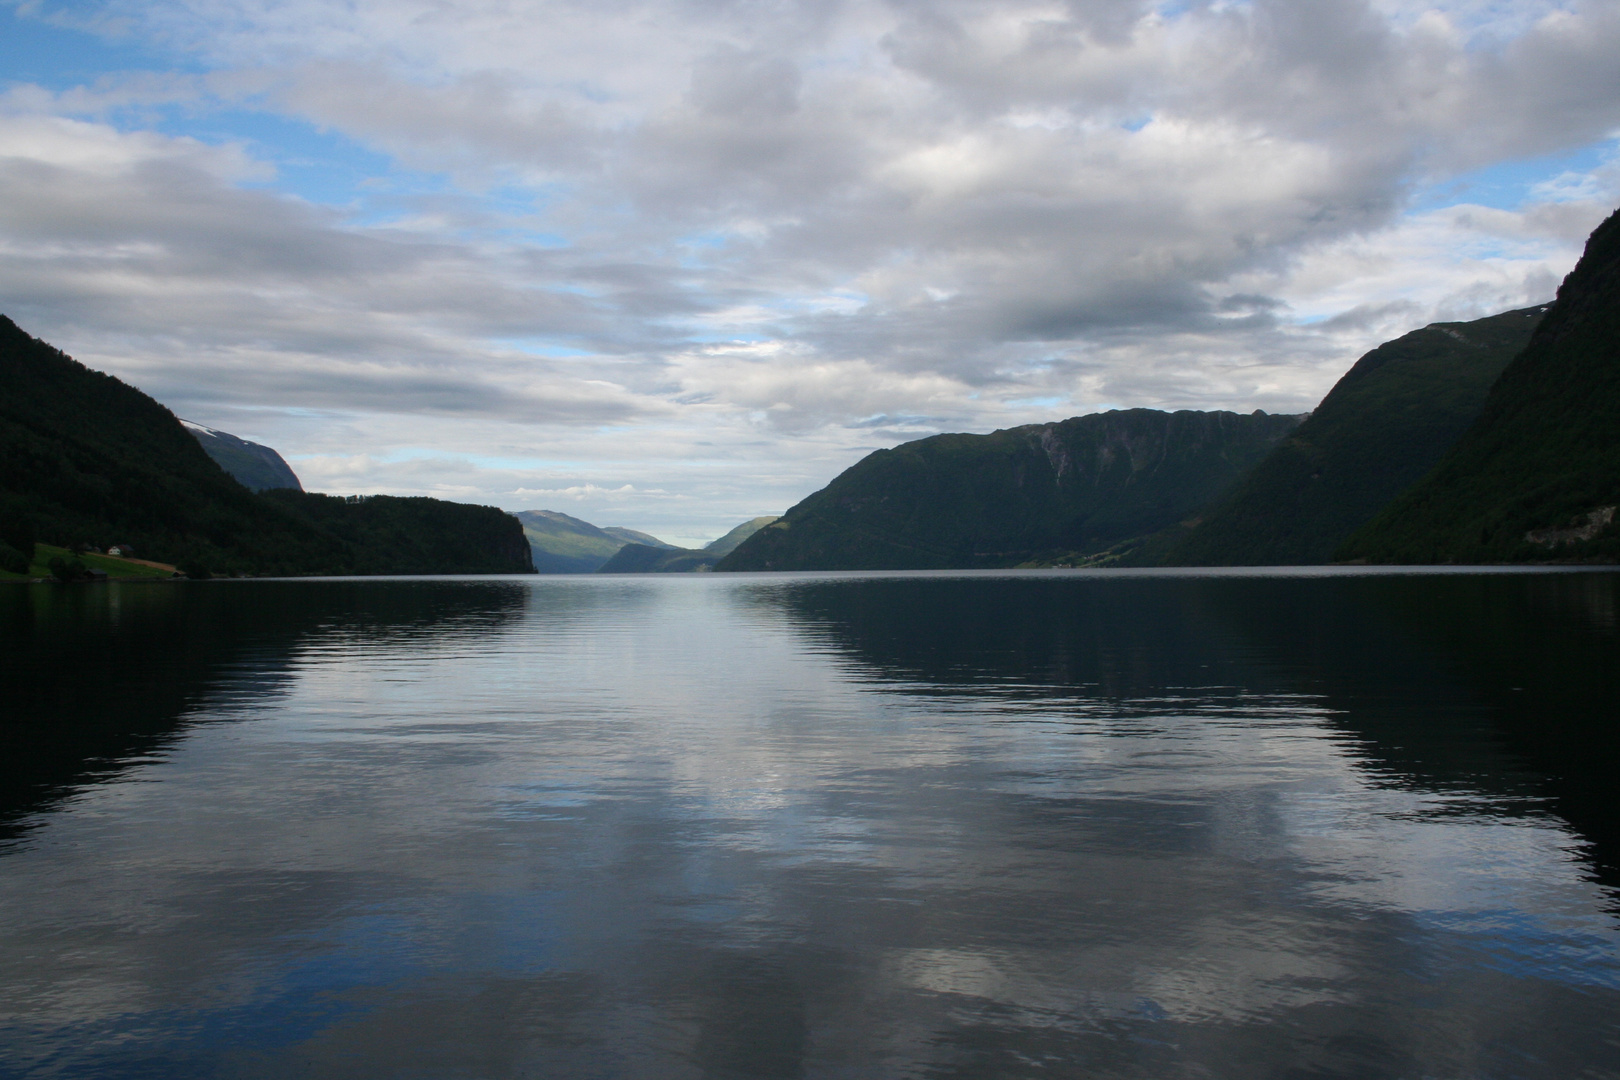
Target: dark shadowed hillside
[[1377, 432], [1065, 491], [390, 534], [1537, 475], [87, 459]]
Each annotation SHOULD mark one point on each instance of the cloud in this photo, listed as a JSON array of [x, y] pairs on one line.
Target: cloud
[[795, 393], [581, 491], [143, 253], [772, 230]]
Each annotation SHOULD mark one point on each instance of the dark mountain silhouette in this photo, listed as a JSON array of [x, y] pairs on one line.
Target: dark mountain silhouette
[[1537, 475], [1384, 425], [1081, 490], [88, 460]]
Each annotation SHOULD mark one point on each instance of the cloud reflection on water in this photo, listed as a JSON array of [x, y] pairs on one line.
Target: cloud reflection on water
[[790, 827]]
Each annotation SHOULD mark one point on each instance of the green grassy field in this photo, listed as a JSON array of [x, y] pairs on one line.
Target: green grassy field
[[115, 568]]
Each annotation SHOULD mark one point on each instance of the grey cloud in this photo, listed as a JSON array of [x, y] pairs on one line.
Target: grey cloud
[[1481, 298], [185, 218], [1557, 85], [468, 390], [1336, 70], [1049, 60], [1368, 316], [272, 300], [454, 125], [744, 86], [754, 140], [1239, 302], [936, 209]]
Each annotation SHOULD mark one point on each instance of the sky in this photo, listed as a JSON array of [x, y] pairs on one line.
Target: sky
[[672, 264]]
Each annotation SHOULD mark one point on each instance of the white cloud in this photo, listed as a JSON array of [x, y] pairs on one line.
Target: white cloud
[[581, 491], [772, 236]]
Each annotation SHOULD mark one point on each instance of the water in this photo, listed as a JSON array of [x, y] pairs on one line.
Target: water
[[997, 825]]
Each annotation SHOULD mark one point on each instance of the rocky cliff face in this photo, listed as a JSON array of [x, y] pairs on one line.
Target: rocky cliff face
[[1043, 492]]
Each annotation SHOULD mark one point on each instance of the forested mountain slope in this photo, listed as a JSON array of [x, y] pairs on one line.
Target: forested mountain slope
[[728, 543], [1064, 491], [636, 536], [1537, 475], [1386, 423], [87, 459], [391, 534], [642, 559]]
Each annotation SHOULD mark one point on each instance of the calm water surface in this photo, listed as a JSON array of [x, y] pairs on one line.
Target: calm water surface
[[724, 826]]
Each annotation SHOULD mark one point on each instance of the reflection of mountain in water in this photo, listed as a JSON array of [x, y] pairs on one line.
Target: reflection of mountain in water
[[1501, 685], [97, 678]]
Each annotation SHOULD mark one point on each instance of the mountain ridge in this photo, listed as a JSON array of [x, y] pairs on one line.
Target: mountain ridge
[[86, 459], [255, 466], [1061, 492], [642, 559], [1381, 427], [1542, 459], [562, 544]]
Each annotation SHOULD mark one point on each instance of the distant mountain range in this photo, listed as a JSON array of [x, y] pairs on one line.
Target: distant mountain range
[[643, 559], [255, 466], [86, 460], [566, 545]]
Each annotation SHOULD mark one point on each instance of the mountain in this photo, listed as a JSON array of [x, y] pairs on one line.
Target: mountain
[[567, 545], [669, 559], [255, 466], [1537, 474], [88, 460], [1385, 424], [1064, 492], [390, 534], [632, 536], [641, 559], [729, 542]]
